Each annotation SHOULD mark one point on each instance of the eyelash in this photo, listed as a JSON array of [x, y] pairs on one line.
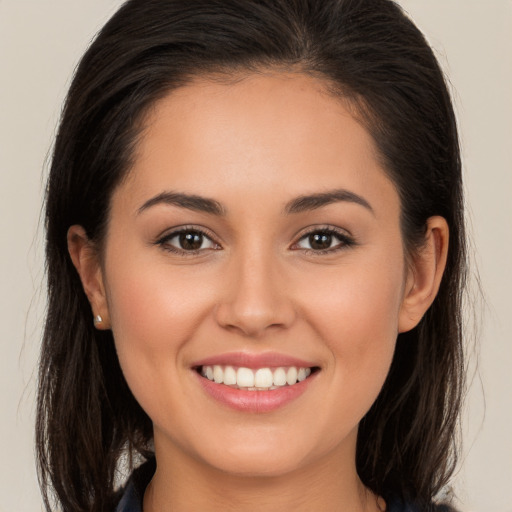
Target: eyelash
[[164, 241], [345, 241]]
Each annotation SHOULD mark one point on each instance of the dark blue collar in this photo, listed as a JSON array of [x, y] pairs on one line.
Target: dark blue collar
[[133, 493]]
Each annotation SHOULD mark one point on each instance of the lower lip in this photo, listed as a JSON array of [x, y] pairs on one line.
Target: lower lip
[[255, 401]]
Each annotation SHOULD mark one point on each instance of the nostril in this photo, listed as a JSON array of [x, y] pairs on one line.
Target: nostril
[[253, 321]]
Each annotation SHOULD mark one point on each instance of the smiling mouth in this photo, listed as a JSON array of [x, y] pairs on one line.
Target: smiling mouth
[[260, 379]]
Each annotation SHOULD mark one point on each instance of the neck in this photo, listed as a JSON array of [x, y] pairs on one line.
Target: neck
[[183, 484]]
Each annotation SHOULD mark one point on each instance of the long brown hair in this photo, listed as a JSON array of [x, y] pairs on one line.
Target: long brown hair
[[368, 51]]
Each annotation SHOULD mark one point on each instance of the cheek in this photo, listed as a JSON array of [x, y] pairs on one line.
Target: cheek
[[361, 302], [154, 313], [355, 313], [148, 298]]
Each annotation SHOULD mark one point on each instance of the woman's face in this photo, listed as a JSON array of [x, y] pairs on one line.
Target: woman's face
[[256, 230]]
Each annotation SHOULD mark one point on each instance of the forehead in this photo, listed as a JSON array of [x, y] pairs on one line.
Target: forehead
[[252, 135]]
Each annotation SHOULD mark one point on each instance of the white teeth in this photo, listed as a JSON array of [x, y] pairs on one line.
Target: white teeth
[[261, 379], [291, 375], [218, 374], [279, 377], [245, 377], [229, 376]]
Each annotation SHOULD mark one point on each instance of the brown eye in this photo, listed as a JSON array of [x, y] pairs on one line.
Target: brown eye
[[324, 240], [320, 241], [191, 241], [187, 241]]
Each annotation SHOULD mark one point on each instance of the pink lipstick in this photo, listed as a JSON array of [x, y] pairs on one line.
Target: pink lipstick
[[255, 382]]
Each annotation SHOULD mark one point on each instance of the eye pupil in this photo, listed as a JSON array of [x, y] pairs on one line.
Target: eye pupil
[[320, 241], [191, 241]]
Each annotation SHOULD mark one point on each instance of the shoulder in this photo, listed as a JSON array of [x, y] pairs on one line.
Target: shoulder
[[132, 496], [400, 506]]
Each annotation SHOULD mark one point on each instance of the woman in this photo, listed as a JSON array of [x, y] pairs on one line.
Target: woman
[[255, 250]]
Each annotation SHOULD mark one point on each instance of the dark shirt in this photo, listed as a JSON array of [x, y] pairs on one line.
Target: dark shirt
[[133, 494]]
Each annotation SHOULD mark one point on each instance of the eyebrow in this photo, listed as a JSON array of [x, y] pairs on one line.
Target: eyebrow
[[314, 201], [188, 201], [299, 204]]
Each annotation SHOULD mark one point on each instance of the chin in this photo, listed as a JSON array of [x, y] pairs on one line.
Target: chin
[[262, 466], [266, 459]]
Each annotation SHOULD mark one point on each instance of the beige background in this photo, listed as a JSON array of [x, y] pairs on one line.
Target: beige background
[[40, 43]]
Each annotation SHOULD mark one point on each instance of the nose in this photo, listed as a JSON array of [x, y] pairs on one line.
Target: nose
[[255, 298]]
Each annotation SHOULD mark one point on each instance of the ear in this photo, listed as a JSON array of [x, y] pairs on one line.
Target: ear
[[85, 258], [424, 274]]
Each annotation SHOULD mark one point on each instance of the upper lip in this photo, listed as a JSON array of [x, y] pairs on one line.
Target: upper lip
[[254, 360]]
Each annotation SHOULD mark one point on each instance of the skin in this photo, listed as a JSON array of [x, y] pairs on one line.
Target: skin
[[253, 146]]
